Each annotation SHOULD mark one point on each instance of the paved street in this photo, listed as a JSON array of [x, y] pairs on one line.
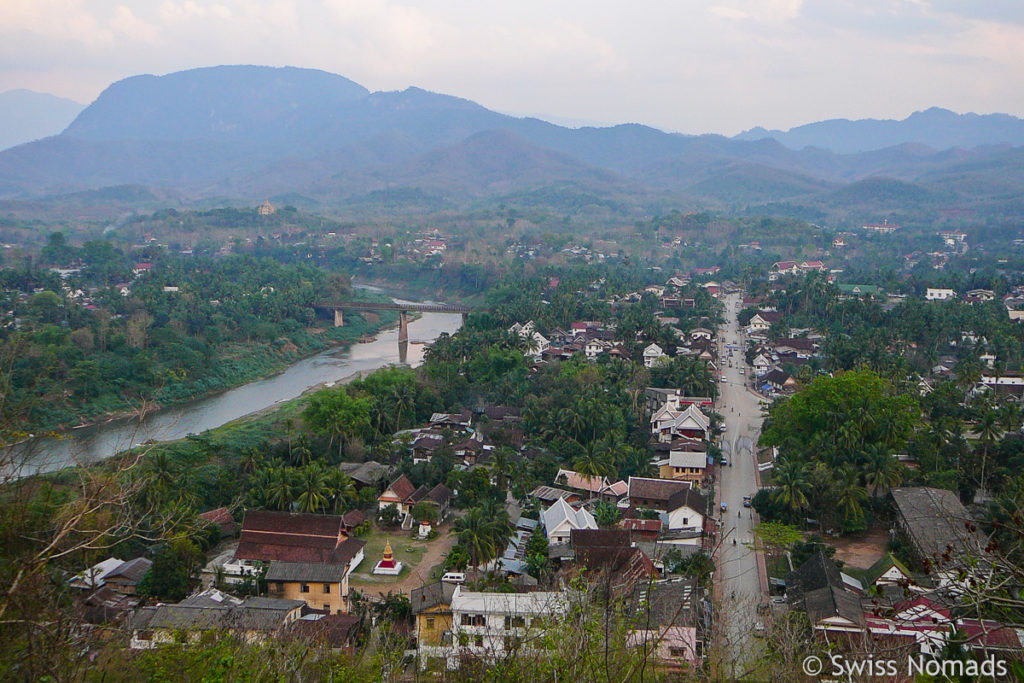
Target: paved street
[[738, 576]]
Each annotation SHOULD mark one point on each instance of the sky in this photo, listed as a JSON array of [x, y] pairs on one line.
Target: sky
[[691, 66]]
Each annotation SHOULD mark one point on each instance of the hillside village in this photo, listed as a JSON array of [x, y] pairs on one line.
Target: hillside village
[[473, 531]]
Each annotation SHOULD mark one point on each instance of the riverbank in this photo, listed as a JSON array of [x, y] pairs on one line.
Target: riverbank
[[90, 445], [241, 364]]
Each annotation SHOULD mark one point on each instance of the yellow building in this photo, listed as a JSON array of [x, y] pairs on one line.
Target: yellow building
[[685, 462], [321, 585], [431, 605]]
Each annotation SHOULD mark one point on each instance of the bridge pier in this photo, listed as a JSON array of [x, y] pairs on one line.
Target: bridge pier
[[339, 321], [403, 327]]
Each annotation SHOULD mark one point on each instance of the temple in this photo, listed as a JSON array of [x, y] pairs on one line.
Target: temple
[[388, 565]]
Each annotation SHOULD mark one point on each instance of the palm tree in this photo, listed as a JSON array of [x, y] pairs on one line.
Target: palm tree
[[593, 463], [161, 477], [343, 490], [404, 399], [312, 488], [851, 494], [790, 486], [280, 488], [881, 471], [476, 536], [988, 432], [500, 466], [250, 461]]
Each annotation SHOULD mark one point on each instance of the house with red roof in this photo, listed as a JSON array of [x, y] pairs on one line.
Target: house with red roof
[[269, 536], [398, 493]]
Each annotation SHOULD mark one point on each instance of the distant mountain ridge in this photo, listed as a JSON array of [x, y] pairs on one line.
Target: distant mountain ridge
[[235, 133], [939, 129], [26, 116]]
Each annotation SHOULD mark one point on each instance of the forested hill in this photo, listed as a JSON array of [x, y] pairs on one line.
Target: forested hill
[[241, 133], [937, 128]]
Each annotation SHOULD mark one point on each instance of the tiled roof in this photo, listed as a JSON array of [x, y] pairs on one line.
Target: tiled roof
[[440, 494], [561, 512], [937, 520], [290, 537], [642, 525], [312, 572], [332, 630], [291, 523], [402, 487], [431, 595], [132, 570], [347, 550], [220, 516], [655, 489], [550, 493], [818, 571], [353, 518], [574, 480]]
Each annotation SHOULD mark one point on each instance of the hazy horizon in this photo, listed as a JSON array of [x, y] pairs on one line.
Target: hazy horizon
[[706, 66]]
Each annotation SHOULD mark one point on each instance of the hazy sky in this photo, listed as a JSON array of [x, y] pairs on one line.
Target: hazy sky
[[684, 65]]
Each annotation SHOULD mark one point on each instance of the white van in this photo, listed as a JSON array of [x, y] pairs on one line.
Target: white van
[[454, 577]]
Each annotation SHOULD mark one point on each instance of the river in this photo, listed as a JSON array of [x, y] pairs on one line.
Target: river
[[91, 444]]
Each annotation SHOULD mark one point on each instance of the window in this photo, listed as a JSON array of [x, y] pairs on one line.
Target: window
[[327, 589], [474, 620], [305, 588], [677, 651], [430, 622], [686, 521], [327, 608], [279, 586], [513, 642], [478, 641], [514, 622]]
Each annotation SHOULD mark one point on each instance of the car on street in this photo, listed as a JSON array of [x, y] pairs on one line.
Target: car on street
[[746, 501], [724, 508]]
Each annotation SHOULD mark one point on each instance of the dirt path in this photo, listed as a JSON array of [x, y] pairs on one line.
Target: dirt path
[[861, 550]]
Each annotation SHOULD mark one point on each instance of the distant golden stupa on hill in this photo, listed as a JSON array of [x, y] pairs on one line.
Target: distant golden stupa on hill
[[266, 208]]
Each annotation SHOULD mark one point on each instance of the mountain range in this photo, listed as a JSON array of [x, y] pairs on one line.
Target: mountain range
[[26, 116], [240, 133]]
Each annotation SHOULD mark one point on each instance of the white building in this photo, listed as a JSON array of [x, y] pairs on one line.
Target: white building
[[489, 625], [653, 354], [939, 294], [561, 518]]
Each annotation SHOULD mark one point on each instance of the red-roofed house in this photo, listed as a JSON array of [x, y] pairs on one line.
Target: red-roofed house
[[222, 518], [644, 529], [292, 538], [399, 494]]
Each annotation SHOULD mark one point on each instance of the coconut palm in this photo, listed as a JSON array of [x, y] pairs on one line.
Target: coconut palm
[[343, 490], [312, 487], [851, 495], [280, 487], [790, 486], [476, 536], [988, 432], [403, 397], [881, 471]]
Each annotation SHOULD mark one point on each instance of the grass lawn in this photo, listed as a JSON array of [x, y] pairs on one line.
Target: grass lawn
[[405, 549], [410, 552]]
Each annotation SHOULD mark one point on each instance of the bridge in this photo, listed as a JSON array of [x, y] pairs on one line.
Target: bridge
[[403, 312]]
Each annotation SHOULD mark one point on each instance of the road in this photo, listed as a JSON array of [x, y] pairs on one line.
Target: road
[[739, 580]]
